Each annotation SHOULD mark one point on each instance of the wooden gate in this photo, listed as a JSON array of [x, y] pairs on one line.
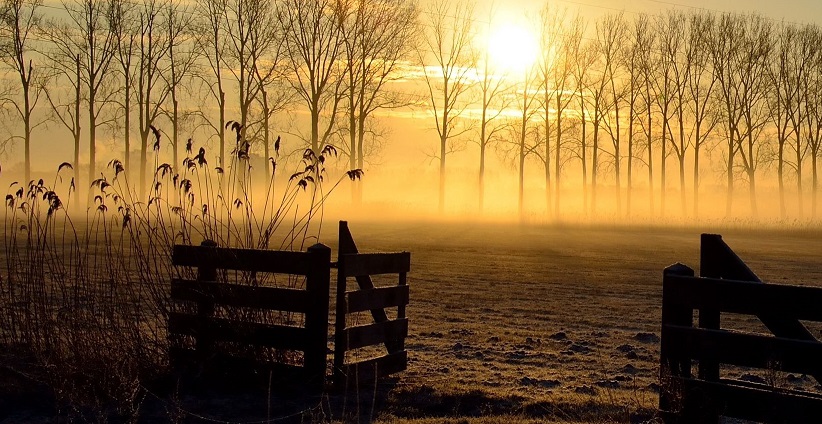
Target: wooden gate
[[734, 288], [212, 331], [383, 331]]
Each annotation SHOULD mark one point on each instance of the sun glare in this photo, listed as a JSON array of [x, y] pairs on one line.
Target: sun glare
[[512, 49]]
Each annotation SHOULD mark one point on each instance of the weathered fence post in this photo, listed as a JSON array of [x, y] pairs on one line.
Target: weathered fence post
[[671, 367], [710, 265], [318, 281], [205, 308]]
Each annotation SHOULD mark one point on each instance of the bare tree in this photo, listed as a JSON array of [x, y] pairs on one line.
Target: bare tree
[[676, 45], [180, 60], [151, 90], [124, 26], [801, 63], [524, 131], [611, 35], [494, 89], [665, 89], [448, 44], [314, 45], [701, 84], [584, 59], [598, 106], [633, 61], [273, 92], [559, 39], [19, 19], [210, 45], [813, 116], [751, 64], [87, 33], [781, 101], [725, 43], [644, 40], [66, 107], [378, 36], [250, 32]]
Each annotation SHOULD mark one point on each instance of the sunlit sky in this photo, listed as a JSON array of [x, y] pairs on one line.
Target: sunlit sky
[[801, 11]]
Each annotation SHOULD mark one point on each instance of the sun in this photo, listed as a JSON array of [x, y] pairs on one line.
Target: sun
[[512, 49]]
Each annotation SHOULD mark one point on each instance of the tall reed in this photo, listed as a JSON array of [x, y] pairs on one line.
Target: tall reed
[[84, 298]]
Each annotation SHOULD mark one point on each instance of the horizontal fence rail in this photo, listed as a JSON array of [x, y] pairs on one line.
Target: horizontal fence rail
[[684, 398]]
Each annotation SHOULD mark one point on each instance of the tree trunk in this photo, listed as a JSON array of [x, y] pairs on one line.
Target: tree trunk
[[127, 129], [663, 162], [521, 184], [630, 164], [482, 167], [730, 180], [557, 158], [814, 183], [547, 123], [27, 131], [92, 142], [594, 163], [752, 192], [617, 161], [780, 172], [443, 143], [650, 161], [584, 155], [696, 176], [799, 195]]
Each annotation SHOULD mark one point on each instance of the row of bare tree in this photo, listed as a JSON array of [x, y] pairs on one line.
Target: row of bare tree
[[621, 97], [159, 67], [618, 100]]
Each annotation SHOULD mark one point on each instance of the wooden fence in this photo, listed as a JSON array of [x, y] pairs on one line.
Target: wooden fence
[[205, 296], [727, 285], [209, 330], [385, 331]]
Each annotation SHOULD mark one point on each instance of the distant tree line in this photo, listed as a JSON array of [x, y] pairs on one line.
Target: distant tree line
[[163, 69], [620, 100], [611, 103]]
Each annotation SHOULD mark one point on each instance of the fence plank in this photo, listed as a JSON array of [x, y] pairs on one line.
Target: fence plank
[[371, 334], [760, 404], [748, 350], [376, 263], [745, 297], [221, 329], [370, 370], [274, 261], [377, 298], [236, 295]]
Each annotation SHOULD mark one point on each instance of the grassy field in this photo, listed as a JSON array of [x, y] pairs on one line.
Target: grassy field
[[522, 324], [551, 322]]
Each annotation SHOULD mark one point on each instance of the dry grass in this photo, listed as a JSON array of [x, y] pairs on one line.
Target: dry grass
[[84, 300]]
